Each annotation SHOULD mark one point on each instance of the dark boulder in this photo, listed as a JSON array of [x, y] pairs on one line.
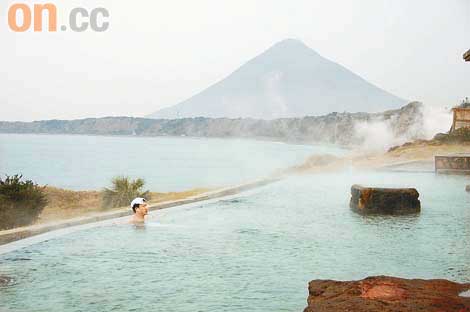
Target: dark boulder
[[369, 200], [387, 294], [468, 188]]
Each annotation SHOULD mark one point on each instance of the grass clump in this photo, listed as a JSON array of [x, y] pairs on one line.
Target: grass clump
[[21, 202], [123, 191], [461, 135]]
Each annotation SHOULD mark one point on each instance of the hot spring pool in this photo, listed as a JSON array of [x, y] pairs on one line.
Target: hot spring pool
[[254, 252]]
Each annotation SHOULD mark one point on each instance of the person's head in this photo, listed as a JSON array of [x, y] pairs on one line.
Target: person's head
[[139, 206]]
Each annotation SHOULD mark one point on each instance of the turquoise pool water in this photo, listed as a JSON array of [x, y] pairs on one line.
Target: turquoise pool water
[[254, 252], [167, 164]]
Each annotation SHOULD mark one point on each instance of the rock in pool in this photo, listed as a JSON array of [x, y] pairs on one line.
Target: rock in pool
[[468, 188], [392, 201], [387, 294]]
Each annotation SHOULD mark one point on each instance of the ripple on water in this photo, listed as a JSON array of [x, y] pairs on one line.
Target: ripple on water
[[5, 281], [253, 254]]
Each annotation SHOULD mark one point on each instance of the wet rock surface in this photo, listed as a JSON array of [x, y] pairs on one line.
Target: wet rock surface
[[387, 294], [370, 200], [467, 188]]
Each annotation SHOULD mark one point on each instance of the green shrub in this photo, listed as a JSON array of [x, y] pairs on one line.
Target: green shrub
[[21, 202], [123, 191]]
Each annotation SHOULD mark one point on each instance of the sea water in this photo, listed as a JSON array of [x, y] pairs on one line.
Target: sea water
[[166, 163], [253, 252]]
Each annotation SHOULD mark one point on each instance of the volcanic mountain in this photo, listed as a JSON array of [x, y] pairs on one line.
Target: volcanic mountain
[[288, 80]]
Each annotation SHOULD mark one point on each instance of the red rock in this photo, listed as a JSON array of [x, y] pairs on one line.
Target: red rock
[[384, 291], [373, 200], [387, 294]]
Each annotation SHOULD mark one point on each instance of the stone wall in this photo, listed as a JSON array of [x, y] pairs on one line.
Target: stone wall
[[457, 164]]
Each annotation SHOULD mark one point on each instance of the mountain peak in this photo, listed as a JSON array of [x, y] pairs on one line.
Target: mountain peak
[[287, 80], [291, 42], [291, 46]]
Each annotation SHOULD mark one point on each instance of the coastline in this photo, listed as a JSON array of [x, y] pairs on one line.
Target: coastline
[[332, 128]]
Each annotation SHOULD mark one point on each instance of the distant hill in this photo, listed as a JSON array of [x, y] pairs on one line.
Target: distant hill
[[340, 128], [288, 80]]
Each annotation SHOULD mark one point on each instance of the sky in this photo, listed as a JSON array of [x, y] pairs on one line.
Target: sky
[[158, 53]]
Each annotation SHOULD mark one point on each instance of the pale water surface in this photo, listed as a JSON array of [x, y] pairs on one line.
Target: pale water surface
[[167, 164], [255, 252]]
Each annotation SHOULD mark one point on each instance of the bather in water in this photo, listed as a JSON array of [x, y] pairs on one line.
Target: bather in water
[[140, 208]]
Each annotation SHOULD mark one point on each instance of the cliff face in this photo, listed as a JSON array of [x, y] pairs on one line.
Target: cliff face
[[340, 128]]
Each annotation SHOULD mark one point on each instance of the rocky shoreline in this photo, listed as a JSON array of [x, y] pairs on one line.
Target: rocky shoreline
[[335, 128]]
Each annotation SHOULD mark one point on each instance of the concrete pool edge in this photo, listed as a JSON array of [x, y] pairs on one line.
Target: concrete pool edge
[[12, 236]]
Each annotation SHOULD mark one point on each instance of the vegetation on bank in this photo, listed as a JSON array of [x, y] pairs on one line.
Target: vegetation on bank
[[66, 204], [21, 202], [458, 136], [123, 191]]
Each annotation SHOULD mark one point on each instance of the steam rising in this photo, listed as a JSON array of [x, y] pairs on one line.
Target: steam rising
[[382, 134], [436, 120], [376, 135]]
